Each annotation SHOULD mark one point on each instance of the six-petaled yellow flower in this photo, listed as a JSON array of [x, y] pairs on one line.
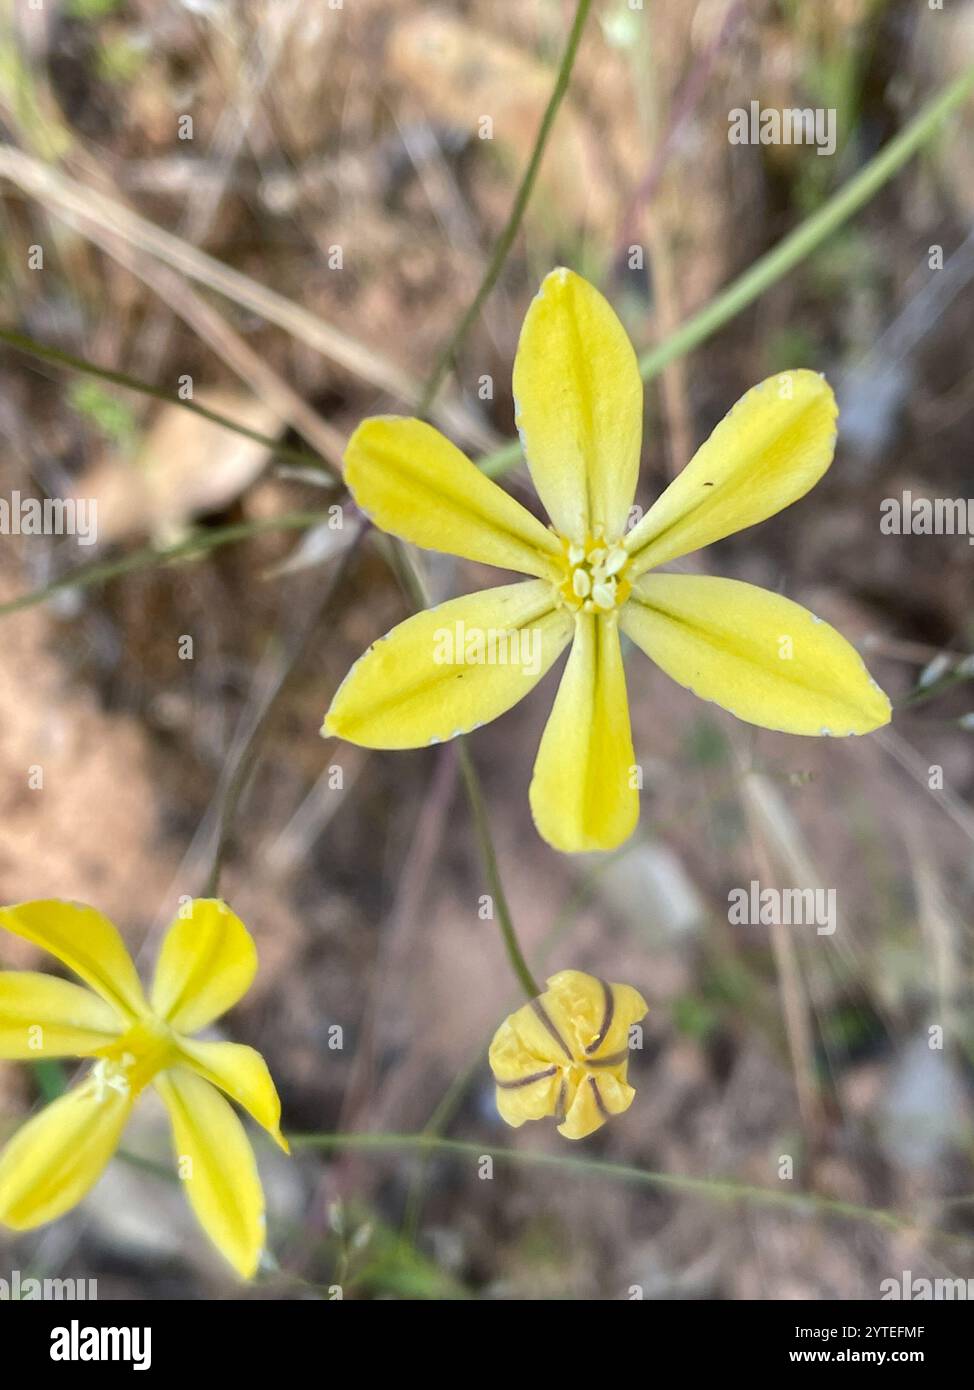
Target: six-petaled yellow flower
[[566, 1054], [579, 413], [207, 963]]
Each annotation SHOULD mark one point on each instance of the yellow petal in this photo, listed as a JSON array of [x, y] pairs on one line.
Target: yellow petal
[[594, 1014], [763, 657], [768, 451], [583, 793], [527, 1087], [410, 689], [413, 482], [42, 1016], [84, 941], [596, 1098], [579, 407], [218, 1167], [244, 1075], [528, 1041], [520, 1101], [207, 962], [59, 1155]]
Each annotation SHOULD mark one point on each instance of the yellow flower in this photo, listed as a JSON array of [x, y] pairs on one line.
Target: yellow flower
[[566, 1054], [207, 963], [579, 413]]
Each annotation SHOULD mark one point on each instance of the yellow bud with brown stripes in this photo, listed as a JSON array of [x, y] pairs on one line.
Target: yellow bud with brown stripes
[[566, 1054]]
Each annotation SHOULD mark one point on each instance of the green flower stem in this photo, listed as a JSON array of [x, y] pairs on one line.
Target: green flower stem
[[482, 826], [506, 239], [789, 252], [45, 353], [717, 1189], [806, 237]]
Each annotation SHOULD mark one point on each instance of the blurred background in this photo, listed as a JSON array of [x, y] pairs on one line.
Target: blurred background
[[285, 209]]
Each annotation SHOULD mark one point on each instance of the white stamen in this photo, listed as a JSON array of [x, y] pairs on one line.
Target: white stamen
[[615, 560], [605, 594], [108, 1076]]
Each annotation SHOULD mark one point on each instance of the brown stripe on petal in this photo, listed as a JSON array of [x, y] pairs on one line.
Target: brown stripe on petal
[[526, 1080], [561, 1107], [607, 1013], [612, 1060], [598, 1098], [548, 1022]]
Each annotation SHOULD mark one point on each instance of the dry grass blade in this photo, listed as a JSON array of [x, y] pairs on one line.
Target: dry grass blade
[[762, 812], [257, 66], [218, 335], [918, 769], [87, 208]]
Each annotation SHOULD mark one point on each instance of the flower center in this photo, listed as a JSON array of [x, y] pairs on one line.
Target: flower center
[[130, 1063], [593, 575], [111, 1076]]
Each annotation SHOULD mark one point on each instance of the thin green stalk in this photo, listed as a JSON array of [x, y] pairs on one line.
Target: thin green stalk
[[506, 238], [100, 571], [45, 353], [482, 826], [790, 251], [717, 1189], [806, 237]]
